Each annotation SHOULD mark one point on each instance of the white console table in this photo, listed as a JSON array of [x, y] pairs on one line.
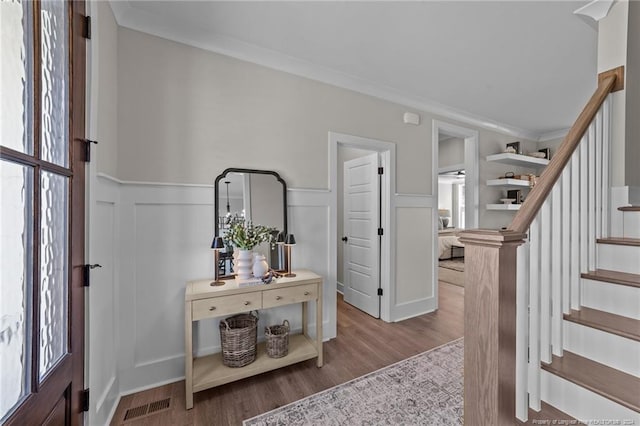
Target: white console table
[[205, 301]]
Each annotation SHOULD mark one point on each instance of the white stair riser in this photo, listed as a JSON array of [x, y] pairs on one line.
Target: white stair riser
[[606, 348], [631, 227], [619, 258], [583, 404], [614, 298]]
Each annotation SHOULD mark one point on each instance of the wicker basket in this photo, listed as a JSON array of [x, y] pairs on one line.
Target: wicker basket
[[238, 338], [277, 340]]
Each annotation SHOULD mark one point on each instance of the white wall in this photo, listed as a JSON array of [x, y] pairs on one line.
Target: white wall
[[182, 116], [632, 83], [612, 52], [450, 152]]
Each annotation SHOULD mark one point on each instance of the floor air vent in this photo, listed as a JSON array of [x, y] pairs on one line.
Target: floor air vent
[[147, 409]]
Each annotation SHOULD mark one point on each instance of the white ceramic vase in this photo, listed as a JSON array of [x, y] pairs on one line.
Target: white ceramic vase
[[243, 264], [260, 266]]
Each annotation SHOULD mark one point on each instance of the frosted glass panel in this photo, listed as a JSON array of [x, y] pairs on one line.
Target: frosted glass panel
[[54, 78], [53, 270], [16, 212], [15, 81]]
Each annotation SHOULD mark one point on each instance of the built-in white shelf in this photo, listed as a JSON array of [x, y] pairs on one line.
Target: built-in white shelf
[[508, 183], [503, 206], [518, 160]]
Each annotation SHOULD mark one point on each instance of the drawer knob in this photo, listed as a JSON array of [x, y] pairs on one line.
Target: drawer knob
[[247, 303], [306, 293], [278, 297], [213, 308]]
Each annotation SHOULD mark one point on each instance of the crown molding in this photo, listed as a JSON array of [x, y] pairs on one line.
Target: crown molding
[[596, 10], [556, 134], [191, 35]]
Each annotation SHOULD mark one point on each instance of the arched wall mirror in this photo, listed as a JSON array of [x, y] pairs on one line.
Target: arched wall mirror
[[258, 196]]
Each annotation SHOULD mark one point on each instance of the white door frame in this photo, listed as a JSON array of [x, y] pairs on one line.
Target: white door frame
[[471, 181], [387, 152]]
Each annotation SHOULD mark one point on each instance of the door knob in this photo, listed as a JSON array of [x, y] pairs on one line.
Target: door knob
[[344, 239]]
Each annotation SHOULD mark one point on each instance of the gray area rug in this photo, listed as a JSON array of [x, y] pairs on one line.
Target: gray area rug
[[423, 390]]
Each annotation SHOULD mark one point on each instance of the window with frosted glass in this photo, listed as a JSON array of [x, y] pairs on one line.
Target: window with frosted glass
[[54, 80], [53, 269], [15, 72], [16, 213]]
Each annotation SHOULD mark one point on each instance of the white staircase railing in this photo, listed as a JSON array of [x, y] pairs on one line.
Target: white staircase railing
[[560, 245]]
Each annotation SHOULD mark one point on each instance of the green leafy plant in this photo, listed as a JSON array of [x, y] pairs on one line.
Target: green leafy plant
[[245, 235]]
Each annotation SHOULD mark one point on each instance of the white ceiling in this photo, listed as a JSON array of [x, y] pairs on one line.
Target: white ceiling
[[524, 67]]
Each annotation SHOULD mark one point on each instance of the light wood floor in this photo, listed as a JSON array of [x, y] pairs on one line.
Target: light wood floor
[[363, 345]]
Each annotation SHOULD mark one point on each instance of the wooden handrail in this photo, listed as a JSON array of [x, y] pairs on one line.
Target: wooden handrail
[[608, 81]]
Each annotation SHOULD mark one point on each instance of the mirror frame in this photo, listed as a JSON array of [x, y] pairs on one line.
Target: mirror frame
[[261, 172]]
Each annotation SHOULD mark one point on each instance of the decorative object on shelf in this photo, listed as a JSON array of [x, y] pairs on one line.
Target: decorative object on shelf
[[546, 152], [282, 265], [533, 180], [260, 266], [515, 194], [289, 242], [217, 245], [507, 200], [239, 339], [536, 154], [269, 276], [277, 337], [513, 148], [244, 264], [245, 235], [508, 175]]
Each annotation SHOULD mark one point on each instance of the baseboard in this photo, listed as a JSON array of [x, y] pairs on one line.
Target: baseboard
[[104, 412], [340, 287]]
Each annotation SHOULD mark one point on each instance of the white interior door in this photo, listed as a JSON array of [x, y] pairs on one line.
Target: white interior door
[[361, 223]]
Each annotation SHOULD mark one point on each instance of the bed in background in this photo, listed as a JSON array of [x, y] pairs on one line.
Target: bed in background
[[449, 246]]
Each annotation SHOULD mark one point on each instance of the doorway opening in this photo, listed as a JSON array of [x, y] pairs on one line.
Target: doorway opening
[[361, 181], [456, 188]]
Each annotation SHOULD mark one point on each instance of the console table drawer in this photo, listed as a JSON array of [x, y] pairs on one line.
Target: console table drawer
[[226, 305], [286, 296]]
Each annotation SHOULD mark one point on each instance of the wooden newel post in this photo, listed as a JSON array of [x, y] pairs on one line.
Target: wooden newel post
[[490, 326]]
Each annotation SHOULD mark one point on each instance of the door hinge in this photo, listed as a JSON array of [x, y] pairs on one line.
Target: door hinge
[[380, 170], [87, 273], [84, 400], [380, 231], [87, 149], [86, 28], [379, 292], [86, 31]]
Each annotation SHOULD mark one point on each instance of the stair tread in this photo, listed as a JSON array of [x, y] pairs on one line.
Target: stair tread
[[629, 209], [620, 241], [613, 384], [547, 412], [605, 321], [616, 277]]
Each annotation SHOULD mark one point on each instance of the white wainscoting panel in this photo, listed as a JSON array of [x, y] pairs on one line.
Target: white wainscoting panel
[[415, 286], [165, 239]]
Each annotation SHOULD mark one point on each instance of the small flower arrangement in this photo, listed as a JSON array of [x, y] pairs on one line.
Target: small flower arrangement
[[245, 235]]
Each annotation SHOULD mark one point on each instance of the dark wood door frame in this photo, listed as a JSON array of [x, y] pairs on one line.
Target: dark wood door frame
[[58, 398]]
